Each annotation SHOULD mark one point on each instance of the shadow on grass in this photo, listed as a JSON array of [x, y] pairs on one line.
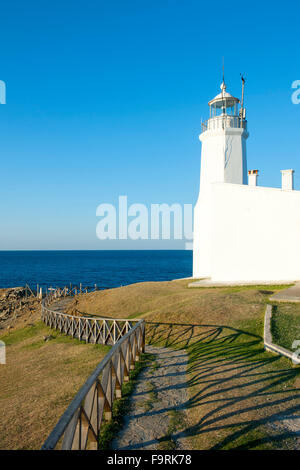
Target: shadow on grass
[[241, 397]]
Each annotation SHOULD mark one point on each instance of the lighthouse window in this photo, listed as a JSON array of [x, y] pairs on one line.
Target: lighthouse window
[[232, 110], [213, 110], [223, 107]]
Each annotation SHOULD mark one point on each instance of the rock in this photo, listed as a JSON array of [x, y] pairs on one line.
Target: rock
[[15, 305], [48, 338]]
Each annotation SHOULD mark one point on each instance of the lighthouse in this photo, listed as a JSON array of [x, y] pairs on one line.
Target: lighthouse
[[223, 160], [242, 231]]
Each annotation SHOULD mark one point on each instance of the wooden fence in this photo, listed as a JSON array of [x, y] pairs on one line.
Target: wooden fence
[[40, 292], [91, 330], [79, 427]]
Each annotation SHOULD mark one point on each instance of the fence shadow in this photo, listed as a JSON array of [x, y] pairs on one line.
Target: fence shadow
[[241, 397]]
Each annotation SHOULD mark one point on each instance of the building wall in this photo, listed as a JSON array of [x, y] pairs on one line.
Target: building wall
[[202, 239], [255, 233], [235, 161], [223, 159]]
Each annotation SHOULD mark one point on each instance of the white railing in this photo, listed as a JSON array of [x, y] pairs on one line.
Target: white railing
[[223, 122]]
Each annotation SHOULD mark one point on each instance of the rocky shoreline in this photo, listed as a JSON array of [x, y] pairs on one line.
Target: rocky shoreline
[[17, 307]]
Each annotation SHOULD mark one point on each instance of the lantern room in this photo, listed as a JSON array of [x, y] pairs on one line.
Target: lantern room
[[224, 104]]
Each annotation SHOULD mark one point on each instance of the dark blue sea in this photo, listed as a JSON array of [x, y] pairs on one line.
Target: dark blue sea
[[104, 268]]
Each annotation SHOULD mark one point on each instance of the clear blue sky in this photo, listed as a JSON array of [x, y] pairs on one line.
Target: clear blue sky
[[105, 98]]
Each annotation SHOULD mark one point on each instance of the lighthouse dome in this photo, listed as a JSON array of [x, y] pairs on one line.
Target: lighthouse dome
[[223, 99]]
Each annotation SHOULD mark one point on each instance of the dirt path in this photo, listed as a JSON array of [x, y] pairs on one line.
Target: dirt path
[[61, 305], [157, 404]]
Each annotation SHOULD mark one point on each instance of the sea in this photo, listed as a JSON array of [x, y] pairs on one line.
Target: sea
[[105, 268]]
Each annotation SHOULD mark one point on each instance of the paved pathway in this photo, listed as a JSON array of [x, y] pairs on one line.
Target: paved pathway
[[292, 294], [207, 282], [157, 417]]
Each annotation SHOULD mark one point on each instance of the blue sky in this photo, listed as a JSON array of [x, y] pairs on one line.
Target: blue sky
[[106, 98]]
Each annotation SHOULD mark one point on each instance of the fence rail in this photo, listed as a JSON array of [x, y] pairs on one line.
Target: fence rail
[[79, 427]]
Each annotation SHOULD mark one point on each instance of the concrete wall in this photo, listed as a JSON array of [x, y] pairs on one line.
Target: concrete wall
[[223, 159], [202, 237], [255, 233], [235, 164]]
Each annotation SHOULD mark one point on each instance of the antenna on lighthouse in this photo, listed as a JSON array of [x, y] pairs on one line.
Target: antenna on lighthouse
[[223, 69], [223, 86], [243, 110]]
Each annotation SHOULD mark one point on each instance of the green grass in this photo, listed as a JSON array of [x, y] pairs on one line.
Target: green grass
[[39, 381], [267, 289], [177, 423], [285, 324], [152, 396], [255, 439], [155, 366], [166, 443], [25, 333], [147, 404], [33, 338], [121, 406]]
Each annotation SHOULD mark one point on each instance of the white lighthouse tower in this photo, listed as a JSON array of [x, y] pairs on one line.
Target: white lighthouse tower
[[223, 160]]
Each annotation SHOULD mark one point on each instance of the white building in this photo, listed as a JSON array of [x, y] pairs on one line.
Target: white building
[[242, 232]]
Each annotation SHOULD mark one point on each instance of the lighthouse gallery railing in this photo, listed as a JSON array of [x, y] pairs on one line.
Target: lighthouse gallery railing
[[224, 122]]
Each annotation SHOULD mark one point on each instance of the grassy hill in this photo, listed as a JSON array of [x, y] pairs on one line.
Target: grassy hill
[[39, 380], [240, 397]]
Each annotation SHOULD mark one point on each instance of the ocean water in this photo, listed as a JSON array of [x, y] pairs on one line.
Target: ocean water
[[104, 268]]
